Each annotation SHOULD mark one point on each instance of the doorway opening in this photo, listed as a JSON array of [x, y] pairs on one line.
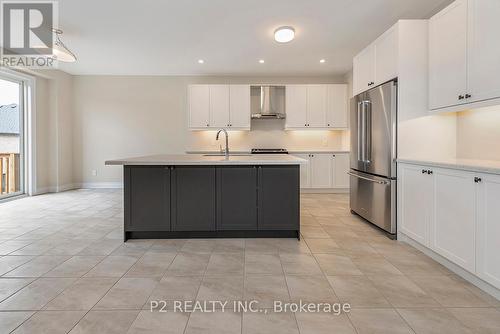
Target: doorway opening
[[15, 96]]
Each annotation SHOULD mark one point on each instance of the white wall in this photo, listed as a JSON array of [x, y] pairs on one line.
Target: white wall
[[54, 130], [61, 90], [478, 134], [123, 116], [428, 137], [45, 139]]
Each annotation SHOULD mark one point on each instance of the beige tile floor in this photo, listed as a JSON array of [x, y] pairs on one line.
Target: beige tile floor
[[64, 268]]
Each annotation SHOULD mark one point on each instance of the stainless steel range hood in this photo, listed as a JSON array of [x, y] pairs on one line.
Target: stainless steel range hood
[[270, 102]]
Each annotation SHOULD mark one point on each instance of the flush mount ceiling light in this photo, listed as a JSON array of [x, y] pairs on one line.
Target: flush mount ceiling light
[[261, 61], [284, 34], [200, 61], [322, 61], [60, 51]]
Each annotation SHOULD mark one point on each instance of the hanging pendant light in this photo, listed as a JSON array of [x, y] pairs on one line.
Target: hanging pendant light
[[60, 51]]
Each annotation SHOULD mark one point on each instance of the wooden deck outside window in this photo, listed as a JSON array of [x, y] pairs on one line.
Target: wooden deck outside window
[[9, 173]]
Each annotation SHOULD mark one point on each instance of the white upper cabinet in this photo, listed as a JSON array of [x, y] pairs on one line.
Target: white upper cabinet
[[219, 106], [316, 106], [340, 167], [464, 54], [337, 107], [488, 228], [377, 63], [239, 106], [453, 224], [386, 56], [364, 70], [199, 106], [415, 202], [296, 106], [448, 56], [483, 50]]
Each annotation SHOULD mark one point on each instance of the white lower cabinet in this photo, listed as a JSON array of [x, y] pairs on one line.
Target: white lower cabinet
[[415, 189], [453, 222], [321, 166], [488, 229], [305, 181], [324, 170], [455, 213], [340, 165]]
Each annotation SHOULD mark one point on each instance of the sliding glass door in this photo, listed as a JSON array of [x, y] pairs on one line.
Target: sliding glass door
[[12, 139]]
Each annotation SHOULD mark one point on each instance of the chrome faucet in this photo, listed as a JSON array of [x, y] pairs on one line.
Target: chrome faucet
[[227, 141]]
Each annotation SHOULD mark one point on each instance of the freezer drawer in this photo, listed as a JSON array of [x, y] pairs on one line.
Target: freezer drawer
[[374, 198]]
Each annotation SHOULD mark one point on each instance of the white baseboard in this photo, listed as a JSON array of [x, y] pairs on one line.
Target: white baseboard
[[469, 277], [324, 191], [101, 185], [66, 187], [42, 190], [56, 189], [72, 186]]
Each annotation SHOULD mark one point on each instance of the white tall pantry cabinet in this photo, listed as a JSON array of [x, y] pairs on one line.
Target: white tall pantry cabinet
[[464, 54]]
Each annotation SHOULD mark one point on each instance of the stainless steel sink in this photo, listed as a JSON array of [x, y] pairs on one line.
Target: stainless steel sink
[[230, 154]]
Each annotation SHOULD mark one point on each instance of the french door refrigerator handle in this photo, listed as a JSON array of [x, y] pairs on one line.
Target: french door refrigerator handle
[[368, 132], [360, 157], [362, 141]]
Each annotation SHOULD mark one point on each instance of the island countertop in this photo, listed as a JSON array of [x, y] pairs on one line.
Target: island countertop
[[209, 160]]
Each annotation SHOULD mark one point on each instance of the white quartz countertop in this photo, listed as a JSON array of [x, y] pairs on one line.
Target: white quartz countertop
[[318, 151], [473, 165], [200, 159]]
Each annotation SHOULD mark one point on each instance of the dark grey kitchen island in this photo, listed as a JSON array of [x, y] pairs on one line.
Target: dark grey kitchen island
[[206, 196]]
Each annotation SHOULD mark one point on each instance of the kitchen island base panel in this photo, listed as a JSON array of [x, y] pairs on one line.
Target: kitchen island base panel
[[211, 234], [211, 201]]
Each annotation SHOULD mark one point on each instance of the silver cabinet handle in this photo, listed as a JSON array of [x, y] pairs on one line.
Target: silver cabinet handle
[[367, 179]]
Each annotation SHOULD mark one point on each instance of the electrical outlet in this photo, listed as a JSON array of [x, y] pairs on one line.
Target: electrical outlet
[[325, 141], [94, 172]]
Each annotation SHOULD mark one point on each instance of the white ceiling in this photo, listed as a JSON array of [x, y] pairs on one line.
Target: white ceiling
[[165, 37]]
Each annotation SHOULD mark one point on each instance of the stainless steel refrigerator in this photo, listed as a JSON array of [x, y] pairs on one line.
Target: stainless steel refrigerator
[[373, 117]]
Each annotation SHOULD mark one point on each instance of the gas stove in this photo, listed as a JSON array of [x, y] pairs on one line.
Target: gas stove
[[269, 151]]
